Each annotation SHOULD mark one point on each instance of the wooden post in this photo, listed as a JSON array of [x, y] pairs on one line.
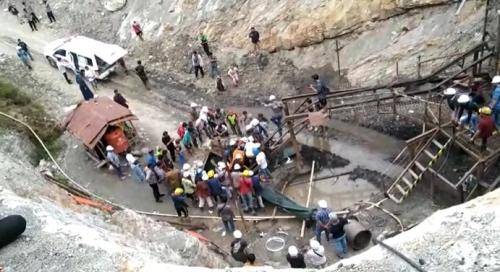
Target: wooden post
[[337, 49], [394, 101], [485, 22], [497, 47], [302, 230], [295, 144], [419, 64], [397, 70]]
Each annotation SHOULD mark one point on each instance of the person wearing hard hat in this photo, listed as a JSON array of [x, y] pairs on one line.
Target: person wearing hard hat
[[263, 167], [180, 205], [337, 233], [239, 247], [277, 116], [322, 218], [114, 161], [188, 185], [495, 100], [236, 176], [203, 193], [485, 128], [295, 258], [214, 186], [315, 256], [245, 191]]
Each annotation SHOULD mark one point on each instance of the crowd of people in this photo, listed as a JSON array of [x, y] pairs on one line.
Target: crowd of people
[[28, 15], [471, 110]]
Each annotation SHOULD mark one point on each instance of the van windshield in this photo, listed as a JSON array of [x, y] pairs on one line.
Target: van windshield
[[102, 65]]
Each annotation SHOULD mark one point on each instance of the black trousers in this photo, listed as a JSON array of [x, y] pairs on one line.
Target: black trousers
[[206, 48], [51, 16], [171, 149], [35, 19], [66, 77], [156, 191], [32, 25], [181, 211], [197, 69]]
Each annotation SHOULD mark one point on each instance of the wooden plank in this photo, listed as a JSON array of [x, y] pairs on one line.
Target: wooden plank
[[464, 148], [302, 230], [420, 166], [441, 177]]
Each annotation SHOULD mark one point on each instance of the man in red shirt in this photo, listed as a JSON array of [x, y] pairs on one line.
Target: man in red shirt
[[137, 30], [486, 127], [246, 191]]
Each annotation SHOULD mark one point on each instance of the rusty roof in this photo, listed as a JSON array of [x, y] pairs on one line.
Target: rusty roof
[[90, 119]]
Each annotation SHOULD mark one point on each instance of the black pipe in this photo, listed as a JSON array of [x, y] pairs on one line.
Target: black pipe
[[399, 254]]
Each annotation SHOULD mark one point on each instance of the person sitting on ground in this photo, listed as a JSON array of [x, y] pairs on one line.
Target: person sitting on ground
[[219, 84], [180, 205], [295, 258], [315, 256], [118, 98], [239, 247], [485, 128], [234, 75], [336, 230], [136, 27], [322, 218]]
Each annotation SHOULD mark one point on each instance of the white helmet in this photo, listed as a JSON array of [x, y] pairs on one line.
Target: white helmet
[[193, 105], [109, 148], [464, 98], [186, 167], [496, 80], [322, 204], [314, 244], [293, 251], [450, 91], [272, 97], [185, 174], [237, 234]]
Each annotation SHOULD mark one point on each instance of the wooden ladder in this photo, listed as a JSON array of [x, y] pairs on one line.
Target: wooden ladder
[[414, 171]]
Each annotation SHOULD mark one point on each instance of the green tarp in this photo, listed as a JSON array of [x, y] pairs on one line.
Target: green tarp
[[282, 201]]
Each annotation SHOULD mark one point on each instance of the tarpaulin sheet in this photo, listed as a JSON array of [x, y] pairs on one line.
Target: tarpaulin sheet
[[286, 204]]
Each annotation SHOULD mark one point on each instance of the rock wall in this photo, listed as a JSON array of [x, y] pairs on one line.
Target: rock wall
[[298, 37], [62, 236]]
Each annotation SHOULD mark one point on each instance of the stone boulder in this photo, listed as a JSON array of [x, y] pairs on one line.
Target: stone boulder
[[113, 5]]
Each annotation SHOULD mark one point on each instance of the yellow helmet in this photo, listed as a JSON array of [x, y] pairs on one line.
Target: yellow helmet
[[211, 173], [485, 110], [246, 173], [178, 191]]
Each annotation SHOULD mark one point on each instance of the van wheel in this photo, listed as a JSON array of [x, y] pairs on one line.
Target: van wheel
[[51, 62]]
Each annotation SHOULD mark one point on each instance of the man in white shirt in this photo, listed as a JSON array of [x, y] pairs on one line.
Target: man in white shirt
[[262, 163]]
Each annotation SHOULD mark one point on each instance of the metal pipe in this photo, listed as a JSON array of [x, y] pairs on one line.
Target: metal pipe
[[399, 254]]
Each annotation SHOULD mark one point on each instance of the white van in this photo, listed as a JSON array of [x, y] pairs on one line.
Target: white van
[[78, 52]]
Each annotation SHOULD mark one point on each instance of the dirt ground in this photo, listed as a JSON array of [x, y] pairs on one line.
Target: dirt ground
[[363, 152]]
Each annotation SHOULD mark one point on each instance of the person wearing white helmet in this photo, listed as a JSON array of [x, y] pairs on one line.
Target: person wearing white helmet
[[295, 258], [114, 161], [239, 247], [203, 193], [336, 230], [24, 57], [322, 219], [137, 170], [277, 115], [188, 185], [495, 100], [315, 255]]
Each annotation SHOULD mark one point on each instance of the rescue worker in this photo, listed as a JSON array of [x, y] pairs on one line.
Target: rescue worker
[[336, 230], [203, 193], [495, 100], [245, 191], [180, 205], [226, 214], [239, 247], [295, 258], [485, 128], [315, 256], [257, 188], [188, 185], [215, 187], [233, 122], [322, 218], [141, 72]]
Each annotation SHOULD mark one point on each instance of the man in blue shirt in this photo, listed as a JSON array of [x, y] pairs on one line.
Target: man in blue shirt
[[495, 100], [151, 159], [322, 218]]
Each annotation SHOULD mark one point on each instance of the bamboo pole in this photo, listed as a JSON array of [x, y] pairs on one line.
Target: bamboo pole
[[308, 198]]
